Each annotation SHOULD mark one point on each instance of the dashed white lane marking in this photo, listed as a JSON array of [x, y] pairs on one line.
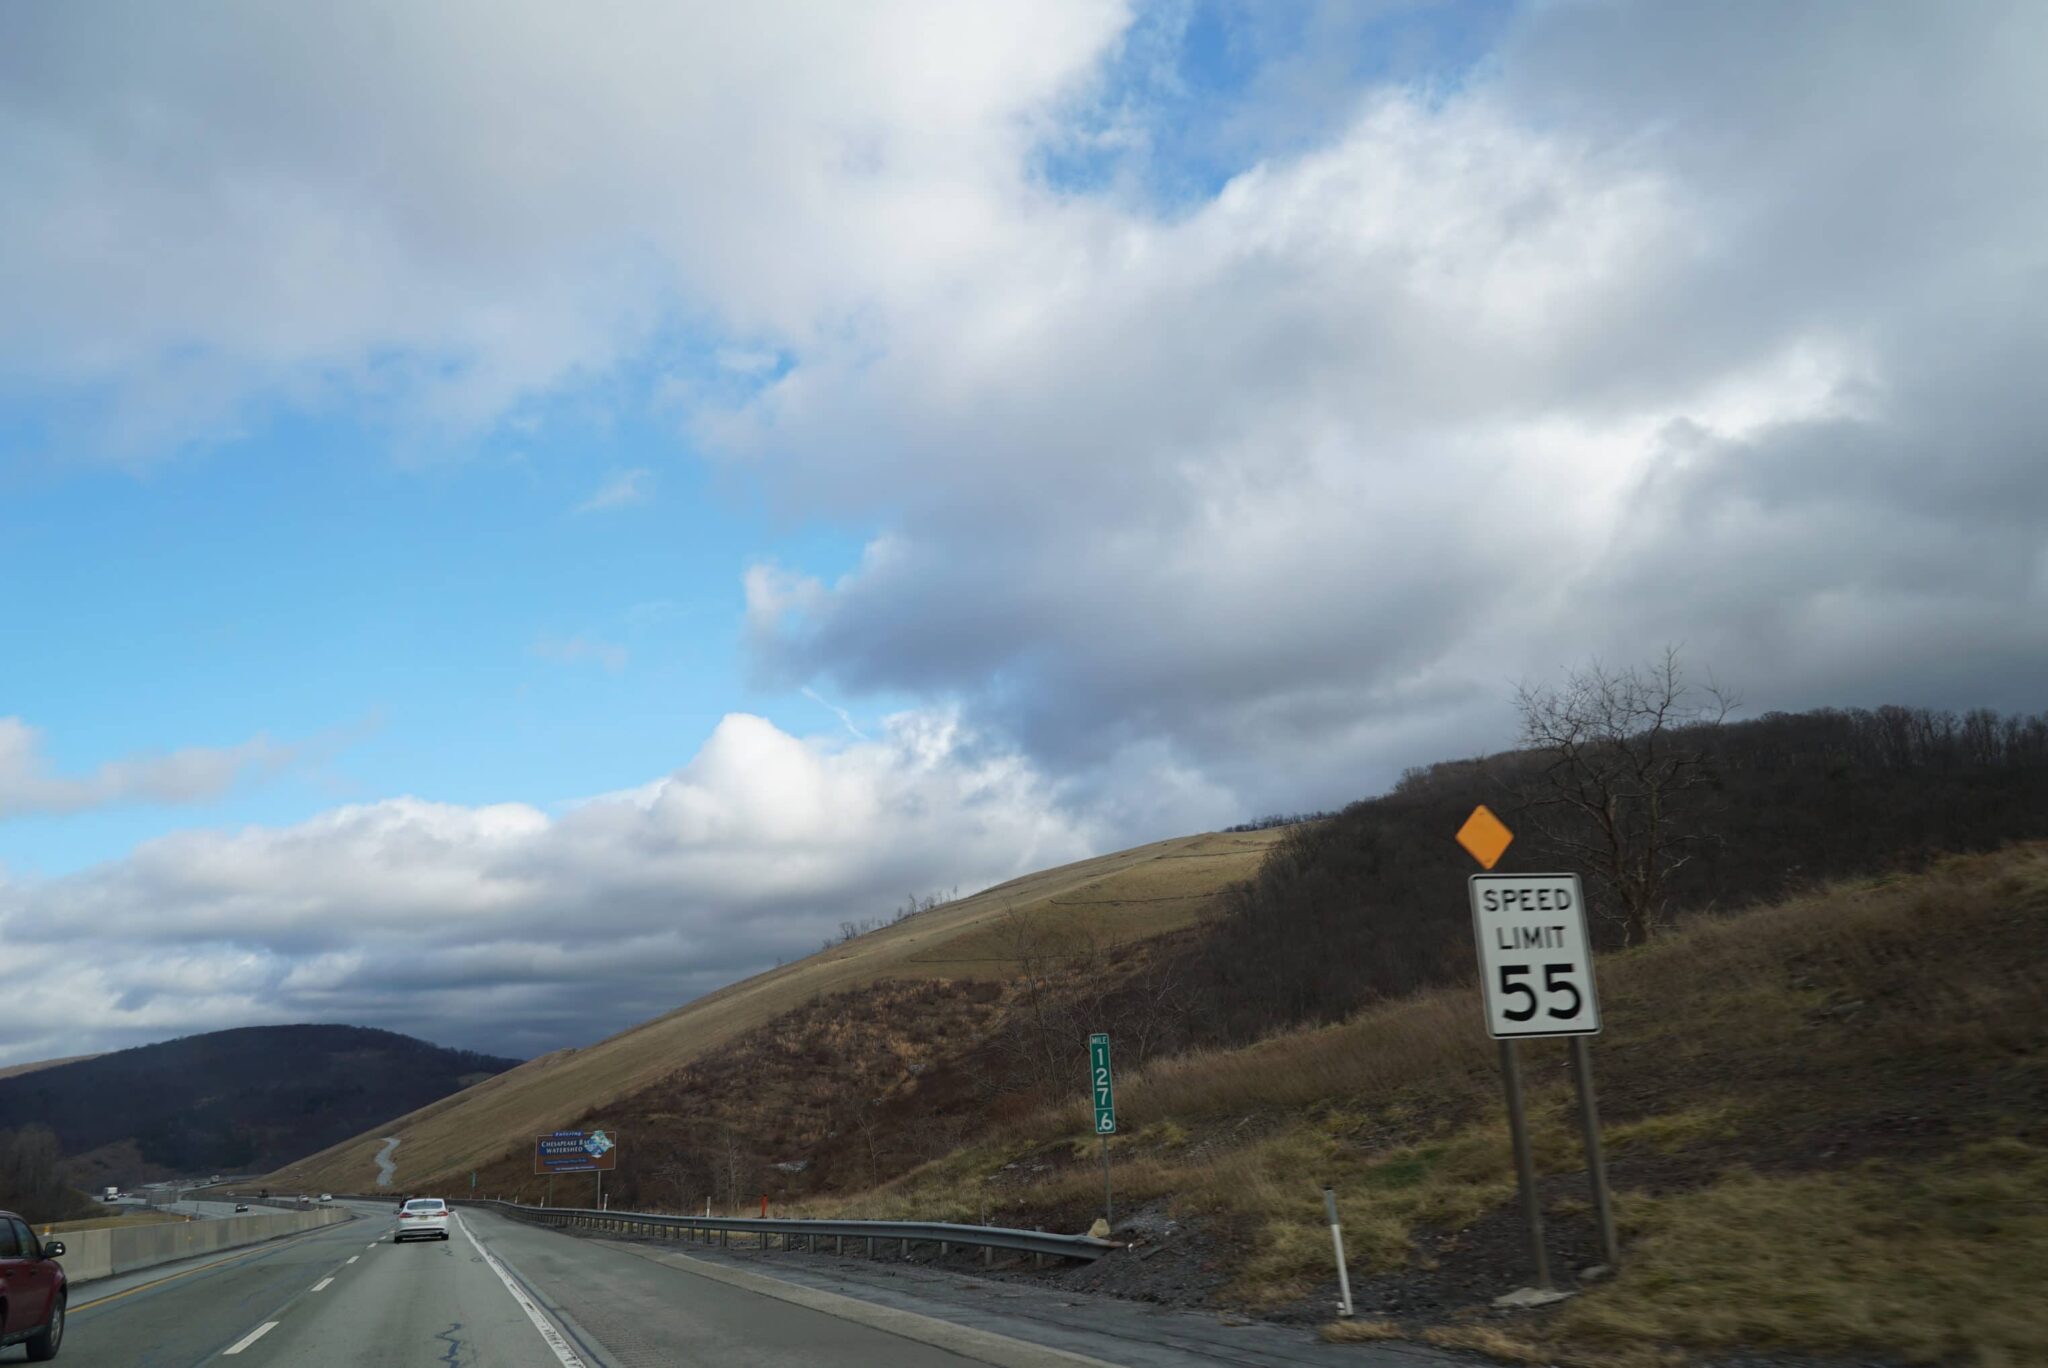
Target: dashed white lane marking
[[569, 1357], [321, 1286], [375, 1243], [245, 1341], [353, 1257]]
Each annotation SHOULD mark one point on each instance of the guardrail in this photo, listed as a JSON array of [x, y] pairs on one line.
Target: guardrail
[[808, 1233]]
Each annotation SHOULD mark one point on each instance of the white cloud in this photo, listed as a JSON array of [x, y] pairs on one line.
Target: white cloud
[[504, 927], [209, 210], [1290, 487], [191, 775], [621, 489]]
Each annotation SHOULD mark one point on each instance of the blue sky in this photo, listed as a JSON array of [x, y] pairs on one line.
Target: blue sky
[[440, 613], [450, 620], [438, 531]]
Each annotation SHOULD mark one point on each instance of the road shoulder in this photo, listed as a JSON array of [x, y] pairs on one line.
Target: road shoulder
[[1017, 1319], [984, 1346]]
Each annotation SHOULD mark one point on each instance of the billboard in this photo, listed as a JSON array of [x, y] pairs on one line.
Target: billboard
[[575, 1152]]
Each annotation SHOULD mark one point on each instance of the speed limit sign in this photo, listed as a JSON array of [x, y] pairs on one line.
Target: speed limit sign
[[1535, 959]]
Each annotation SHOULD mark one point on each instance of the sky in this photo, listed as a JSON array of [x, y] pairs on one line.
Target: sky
[[513, 516]]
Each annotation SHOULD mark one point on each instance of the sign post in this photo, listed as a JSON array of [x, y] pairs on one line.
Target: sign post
[[1102, 1090], [576, 1152], [1536, 979]]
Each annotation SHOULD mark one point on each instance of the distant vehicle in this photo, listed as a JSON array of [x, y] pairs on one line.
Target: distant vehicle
[[326, 1196], [35, 1290], [112, 1193], [241, 1206], [422, 1218]]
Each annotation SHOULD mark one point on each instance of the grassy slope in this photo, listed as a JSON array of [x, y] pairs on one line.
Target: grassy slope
[[125, 1219], [1827, 1123], [1133, 894], [12, 1070]]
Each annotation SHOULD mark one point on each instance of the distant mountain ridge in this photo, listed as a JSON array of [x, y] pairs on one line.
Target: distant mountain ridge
[[236, 1101], [11, 1070]]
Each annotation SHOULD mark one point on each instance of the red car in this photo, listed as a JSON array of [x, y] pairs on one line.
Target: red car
[[32, 1290]]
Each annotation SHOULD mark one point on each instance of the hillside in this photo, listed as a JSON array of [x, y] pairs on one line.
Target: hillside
[[1827, 1123], [1368, 905], [14, 1070], [1113, 901], [229, 1101], [857, 1064]]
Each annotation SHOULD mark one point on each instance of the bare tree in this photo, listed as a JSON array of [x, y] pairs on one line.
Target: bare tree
[[1060, 987], [736, 1167], [869, 1125], [677, 1172], [1617, 751], [29, 1179]]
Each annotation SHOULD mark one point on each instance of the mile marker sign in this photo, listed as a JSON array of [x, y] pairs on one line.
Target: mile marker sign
[[1100, 1086], [1535, 961]]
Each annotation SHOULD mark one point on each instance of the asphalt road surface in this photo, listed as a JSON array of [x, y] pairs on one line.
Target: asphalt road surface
[[209, 1209], [502, 1294], [496, 1293]]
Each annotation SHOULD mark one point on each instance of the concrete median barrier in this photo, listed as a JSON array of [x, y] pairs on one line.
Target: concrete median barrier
[[90, 1254]]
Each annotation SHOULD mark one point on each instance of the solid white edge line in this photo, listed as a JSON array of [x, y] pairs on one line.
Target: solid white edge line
[[569, 1357], [245, 1341], [321, 1286]]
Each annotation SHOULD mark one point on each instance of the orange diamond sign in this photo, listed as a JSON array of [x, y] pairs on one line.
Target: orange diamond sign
[[1485, 836]]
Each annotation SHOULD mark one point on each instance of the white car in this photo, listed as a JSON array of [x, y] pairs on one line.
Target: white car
[[422, 1218]]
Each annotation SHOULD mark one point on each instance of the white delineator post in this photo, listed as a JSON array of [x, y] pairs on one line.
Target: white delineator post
[[1337, 1239]]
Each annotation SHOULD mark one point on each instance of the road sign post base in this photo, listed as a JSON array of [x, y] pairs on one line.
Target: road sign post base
[[1525, 1163]]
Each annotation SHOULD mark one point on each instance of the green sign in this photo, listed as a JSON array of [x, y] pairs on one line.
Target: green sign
[[1103, 1091], [472, 1180]]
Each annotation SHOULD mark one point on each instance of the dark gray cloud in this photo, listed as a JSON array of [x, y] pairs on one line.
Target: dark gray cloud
[[1706, 324]]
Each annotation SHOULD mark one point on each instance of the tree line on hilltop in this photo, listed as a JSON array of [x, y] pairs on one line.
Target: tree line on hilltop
[[1371, 903]]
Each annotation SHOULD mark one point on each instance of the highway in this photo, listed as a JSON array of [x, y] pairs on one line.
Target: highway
[[502, 1294], [210, 1209], [346, 1296]]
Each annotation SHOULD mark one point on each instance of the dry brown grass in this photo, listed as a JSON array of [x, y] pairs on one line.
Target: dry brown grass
[[1508, 1347], [1366, 1331], [14, 1070], [126, 1218], [1128, 895], [1745, 1035], [1432, 1036], [1938, 1262]]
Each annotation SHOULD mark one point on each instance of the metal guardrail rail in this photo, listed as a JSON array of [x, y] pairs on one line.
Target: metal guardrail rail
[[808, 1233]]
